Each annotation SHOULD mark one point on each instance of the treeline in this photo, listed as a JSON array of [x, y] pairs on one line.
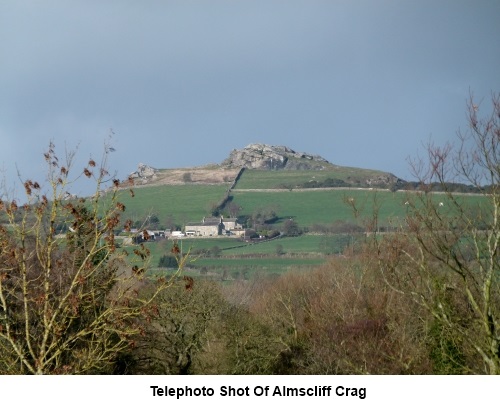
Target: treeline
[[399, 185]]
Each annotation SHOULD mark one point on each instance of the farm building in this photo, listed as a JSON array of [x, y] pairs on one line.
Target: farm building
[[213, 226], [230, 226]]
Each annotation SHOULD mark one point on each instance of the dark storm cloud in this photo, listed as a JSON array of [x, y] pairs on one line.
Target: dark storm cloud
[[183, 82]]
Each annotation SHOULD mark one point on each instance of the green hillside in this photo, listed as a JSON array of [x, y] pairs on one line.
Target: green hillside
[[187, 203], [276, 179], [191, 202], [309, 207], [183, 202], [283, 191]]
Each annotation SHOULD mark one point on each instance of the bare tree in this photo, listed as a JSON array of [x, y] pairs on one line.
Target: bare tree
[[447, 255], [233, 208], [68, 302]]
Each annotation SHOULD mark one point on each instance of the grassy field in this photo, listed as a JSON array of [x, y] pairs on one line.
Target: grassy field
[[246, 268], [223, 268], [184, 202], [323, 206], [307, 207], [271, 179], [240, 259], [191, 202], [230, 247]]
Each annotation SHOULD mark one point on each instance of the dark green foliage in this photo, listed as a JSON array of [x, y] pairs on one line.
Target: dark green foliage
[[153, 221], [264, 215], [215, 251], [279, 249], [441, 187], [291, 228], [329, 182], [168, 261]]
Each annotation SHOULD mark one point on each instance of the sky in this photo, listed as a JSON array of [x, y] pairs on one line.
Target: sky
[[179, 83]]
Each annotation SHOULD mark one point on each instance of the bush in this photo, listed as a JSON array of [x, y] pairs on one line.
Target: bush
[[279, 250], [291, 228], [215, 251], [168, 261]]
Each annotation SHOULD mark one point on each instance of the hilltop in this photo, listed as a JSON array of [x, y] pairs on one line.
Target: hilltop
[[271, 161], [268, 157]]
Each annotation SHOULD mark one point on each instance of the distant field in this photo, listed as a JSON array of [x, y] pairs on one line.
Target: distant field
[[308, 207], [240, 259], [305, 244], [247, 267], [184, 202], [270, 179], [322, 206]]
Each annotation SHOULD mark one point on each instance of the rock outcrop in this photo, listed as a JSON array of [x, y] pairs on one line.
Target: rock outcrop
[[144, 173], [267, 157], [262, 156]]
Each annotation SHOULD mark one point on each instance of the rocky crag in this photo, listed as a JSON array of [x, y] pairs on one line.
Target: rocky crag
[[262, 156], [265, 157], [144, 173]]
